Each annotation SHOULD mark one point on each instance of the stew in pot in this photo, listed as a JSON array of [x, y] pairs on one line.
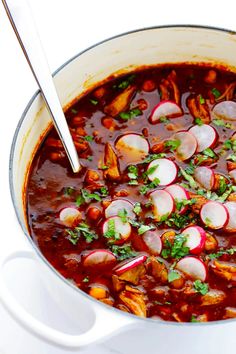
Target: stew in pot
[[149, 223]]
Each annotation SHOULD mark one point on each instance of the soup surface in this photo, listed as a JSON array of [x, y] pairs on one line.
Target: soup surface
[[149, 223]]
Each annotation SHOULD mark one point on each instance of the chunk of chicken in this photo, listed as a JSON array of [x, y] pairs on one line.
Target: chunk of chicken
[[200, 201], [121, 102], [231, 165], [213, 297], [133, 275], [230, 312], [158, 270], [211, 243], [169, 89], [198, 109], [229, 93], [118, 285], [232, 197], [218, 181], [135, 302], [225, 270], [111, 161]]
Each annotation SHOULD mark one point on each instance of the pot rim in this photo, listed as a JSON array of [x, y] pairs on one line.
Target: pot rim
[[30, 240]]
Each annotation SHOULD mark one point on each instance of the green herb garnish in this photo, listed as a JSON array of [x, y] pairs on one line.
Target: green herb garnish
[[123, 215], [201, 287], [198, 121], [194, 319], [130, 114], [104, 191], [133, 172], [86, 279], [152, 157], [216, 92], [193, 184], [125, 83], [143, 228], [173, 275], [84, 230], [201, 99], [209, 152], [123, 252], [69, 191], [222, 123], [164, 120], [93, 101], [177, 250], [172, 144], [111, 232], [144, 189], [88, 138], [137, 208], [221, 252]]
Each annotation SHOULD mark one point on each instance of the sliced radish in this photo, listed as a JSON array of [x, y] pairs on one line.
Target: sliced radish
[[132, 147], [193, 267], [120, 205], [99, 258], [163, 203], [214, 215], [165, 171], [69, 216], [188, 145], [232, 175], [196, 238], [122, 229], [225, 110], [153, 241], [231, 225], [205, 176], [179, 194], [127, 265], [167, 109], [205, 135]]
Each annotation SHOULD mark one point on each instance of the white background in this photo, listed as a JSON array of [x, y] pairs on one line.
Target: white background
[[67, 27]]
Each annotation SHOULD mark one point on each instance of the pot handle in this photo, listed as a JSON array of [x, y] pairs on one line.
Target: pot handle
[[105, 323]]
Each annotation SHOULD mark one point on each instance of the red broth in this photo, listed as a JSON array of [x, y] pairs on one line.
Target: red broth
[[135, 254]]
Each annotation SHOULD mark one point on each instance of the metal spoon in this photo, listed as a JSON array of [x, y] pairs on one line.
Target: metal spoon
[[21, 20]]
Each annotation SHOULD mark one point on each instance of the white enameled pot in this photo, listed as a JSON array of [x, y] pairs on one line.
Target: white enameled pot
[[123, 332]]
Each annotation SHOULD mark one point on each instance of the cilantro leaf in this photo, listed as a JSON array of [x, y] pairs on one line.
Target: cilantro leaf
[[111, 232], [193, 184], [144, 189], [209, 152], [198, 121], [173, 275], [152, 157], [93, 101], [143, 228], [81, 230], [130, 114], [137, 208], [123, 215], [177, 250], [216, 92], [172, 144], [222, 123], [88, 137], [201, 287], [123, 252]]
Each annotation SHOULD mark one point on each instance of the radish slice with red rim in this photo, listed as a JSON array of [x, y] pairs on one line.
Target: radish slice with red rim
[[231, 225], [214, 215], [120, 205], [118, 230], [192, 267], [167, 109], [225, 110], [188, 145], [127, 265], [232, 175], [69, 216], [205, 135], [99, 258], [153, 241], [164, 170], [179, 194], [132, 147], [163, 203], [205, 176], [196, 238]]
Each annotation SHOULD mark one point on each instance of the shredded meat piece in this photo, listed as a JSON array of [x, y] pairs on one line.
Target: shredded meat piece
[[109, 123], [169, 89], [134, 274], [200, 201], [168, 236], [225, 270], [230, 312], [202, 318], [172, 77], [176, 317], [118, 285], [232, 197], [111, 161], [158, 270], [135, 302], [122, 307], [229, 92], [231, 165], [157, 148], [218, 178], [210, 77], [161, 293], [164, 85], [121, 102], [100, 92], [91, 176], [52, 142], [211, 243], [199, 110], [213, 297]]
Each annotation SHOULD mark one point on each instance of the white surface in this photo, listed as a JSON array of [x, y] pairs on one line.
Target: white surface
[[67, 27]]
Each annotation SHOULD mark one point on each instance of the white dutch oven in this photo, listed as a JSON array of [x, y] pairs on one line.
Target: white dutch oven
[[97, 322]]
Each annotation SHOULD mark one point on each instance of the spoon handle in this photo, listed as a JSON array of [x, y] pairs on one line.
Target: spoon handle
[[21, 20]]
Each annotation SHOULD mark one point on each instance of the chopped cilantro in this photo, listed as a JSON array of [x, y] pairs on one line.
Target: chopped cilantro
[[144, 189], [123, 252], [133, 172], [86, 279], [84, 230], [125, 83], [79, 200], [177, 250], [193, 184], [104, 191], [180, 203], [201, 99], [133, 182], [172, 144], [164, 120], [151, 170], [209, 152], [123, 215], [152, 157], [194, 319], [201, 287], [207, 221], [104, 167], [198, 121], [93, 101], [222, 185], [137, 208], [69, 190], [216, 92], [74, 111], [221, 252], [143, 228], [90, 196], [88, 137], [90, 158], [130, 114], [231, 157], [173, 275], [111, 232], [222, 123]]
